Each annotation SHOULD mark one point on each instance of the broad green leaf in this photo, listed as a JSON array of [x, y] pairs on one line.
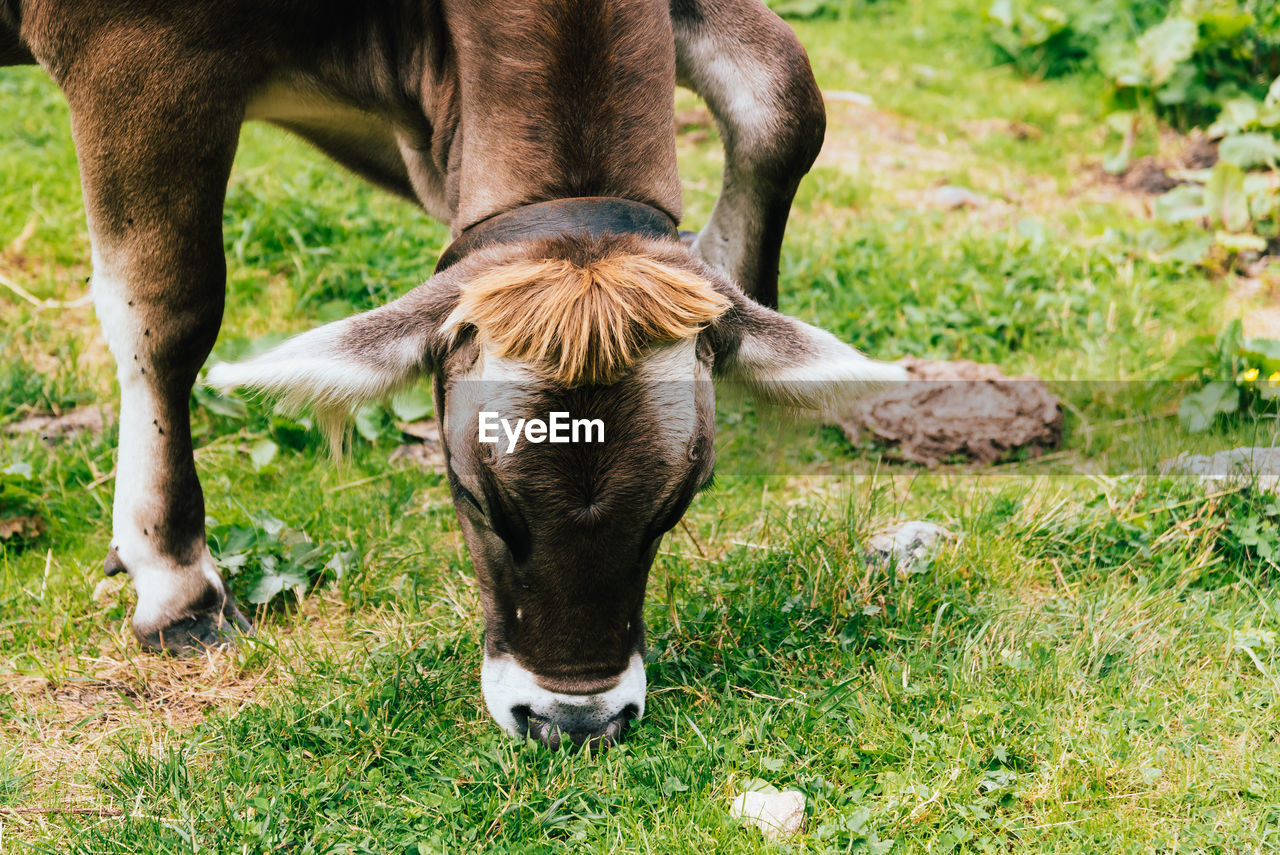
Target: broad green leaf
[[1238, 114], [341, 562], [372, 421], [1117, 163], [413, 403], [272, 584], [1263, 354], [1001, 11], [268, 522], [1269, 115], [21, 468], [1120, 121], [263, 452], [1166, 45], [1241, 242], [1267, 348], [1123, 66], [1226, 198], [233, 564], [1250, 151], [672, 785], [1192, 358], [1192, 249], [228, 406], [1224, 24], [1181, 86], [1199, 409], [1182, 203], [268, 586]]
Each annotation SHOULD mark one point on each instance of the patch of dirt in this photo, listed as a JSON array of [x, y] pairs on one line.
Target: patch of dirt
[[53, 429], [981, 129], [426, 453], [913, 165], [24, 527], [64, 728], [694, 125], [959, 411], [909, 163], [1155, 174], [861, 137]]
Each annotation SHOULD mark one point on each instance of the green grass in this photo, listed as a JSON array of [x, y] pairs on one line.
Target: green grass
[[1092, 667]]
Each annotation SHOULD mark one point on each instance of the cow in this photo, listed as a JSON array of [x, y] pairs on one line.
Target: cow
[[542, 132]]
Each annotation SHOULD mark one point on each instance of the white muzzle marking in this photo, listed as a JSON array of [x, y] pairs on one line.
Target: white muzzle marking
[[507, 686]]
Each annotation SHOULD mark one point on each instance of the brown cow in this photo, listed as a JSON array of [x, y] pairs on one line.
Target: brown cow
[[541, 131]]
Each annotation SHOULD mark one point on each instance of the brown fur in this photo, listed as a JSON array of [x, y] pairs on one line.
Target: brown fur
[[586, 324], [471, 108]]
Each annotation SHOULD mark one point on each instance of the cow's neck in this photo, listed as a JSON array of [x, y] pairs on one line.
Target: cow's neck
[[561, 99]]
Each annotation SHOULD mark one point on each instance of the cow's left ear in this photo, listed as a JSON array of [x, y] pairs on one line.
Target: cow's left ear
[[785, 362], [335, 368]]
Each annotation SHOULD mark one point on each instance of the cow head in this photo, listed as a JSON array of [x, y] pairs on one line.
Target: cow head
[[612, 345]]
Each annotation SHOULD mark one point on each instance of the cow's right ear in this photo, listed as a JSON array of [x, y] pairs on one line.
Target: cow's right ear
[[335, 368], [784, 362]]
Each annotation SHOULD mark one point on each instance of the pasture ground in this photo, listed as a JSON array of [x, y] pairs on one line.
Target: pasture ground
[[1092, 667]]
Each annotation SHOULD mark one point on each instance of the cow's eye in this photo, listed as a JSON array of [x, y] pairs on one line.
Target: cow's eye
[[466, 494]]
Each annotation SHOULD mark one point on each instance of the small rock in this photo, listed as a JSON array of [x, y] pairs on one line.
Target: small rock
[[1258, 467], [908, 545], [951, 197], [53, 429], [776, 814]]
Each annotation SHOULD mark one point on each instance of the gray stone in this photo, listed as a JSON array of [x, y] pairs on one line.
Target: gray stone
[[951, 197], [777, 814], [907, 546], [1258, 467]]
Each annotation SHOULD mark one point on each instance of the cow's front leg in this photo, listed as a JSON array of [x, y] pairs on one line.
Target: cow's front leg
[[755, 77], [155, 148]]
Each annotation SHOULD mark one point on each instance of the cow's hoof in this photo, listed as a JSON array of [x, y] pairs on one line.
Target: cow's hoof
[[182, 611], [193, 634]]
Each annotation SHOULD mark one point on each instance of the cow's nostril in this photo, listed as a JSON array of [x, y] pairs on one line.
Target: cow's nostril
[[553, 736]]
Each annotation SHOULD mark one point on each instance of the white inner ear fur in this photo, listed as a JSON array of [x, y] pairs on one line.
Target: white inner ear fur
[[324, 370], [825, 377]]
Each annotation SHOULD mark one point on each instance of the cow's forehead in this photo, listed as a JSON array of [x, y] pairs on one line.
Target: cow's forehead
[[656, 412]]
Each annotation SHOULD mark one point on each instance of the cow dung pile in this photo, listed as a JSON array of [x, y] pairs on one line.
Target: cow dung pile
[[958, 412]]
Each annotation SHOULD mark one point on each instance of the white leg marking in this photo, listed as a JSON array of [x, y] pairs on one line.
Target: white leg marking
[[164, 587]]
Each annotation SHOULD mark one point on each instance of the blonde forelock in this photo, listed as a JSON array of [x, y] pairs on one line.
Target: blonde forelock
[[586, 324]]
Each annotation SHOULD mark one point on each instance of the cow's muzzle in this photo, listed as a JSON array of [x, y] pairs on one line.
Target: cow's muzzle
[[520, 702]]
